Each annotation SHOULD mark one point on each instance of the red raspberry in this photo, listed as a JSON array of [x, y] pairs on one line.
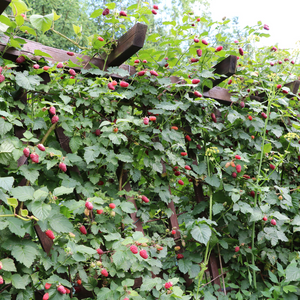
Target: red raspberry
[[146, 120], [20, 59], [88, 205], [272, 167], [104, 272], [180, 182], [101, 39], [1, 70], [54, 119], [79, 281], [177, 173], [110, 86], [70, 53], [155, 6], [72, 72], [36, 66], [50, 234], [183, 153], [197, 94], [188, 167], [62, 166], [59, 65], [196, 40], [123, 13], [233, 175], [229, 81], [134, 249], [238, 168], [144, 254], [219, 48], [180, 256], [141, 73], [99, 251], [41, 147], [188, 138], [67, 291], [195, 81], [246, 176], [152, 118], [204, 42], [237, 157], [154, 11], [126, 298], [237, 249], [46, 68], [265, 218], [124, 84], [154, 73], [145, 199], [273, 222], [112, 205], [99, 211], [2, 78], [83, 229], [168, 284], [105, 12], [250, 118], [52, 110], [34, 157], [47, 286], [173, 232], [176, 167], [26, 152], [136, 61], [61, 289], [241, 51], [264, 115], [1, 280], [199, 52], [199, 147], [46, 296]]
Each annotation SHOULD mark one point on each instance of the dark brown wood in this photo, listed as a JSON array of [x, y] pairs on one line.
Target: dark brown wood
[[128, 44], [3, 5], [226, 67], [293, 86], [45, 241], [219, 94], [213, 269]]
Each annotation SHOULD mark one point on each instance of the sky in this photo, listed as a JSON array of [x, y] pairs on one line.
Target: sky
[[281, 16]]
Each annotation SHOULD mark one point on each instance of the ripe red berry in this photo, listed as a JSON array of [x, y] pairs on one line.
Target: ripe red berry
[[46, 296], [168, 285], [246, 176], [110, 86], [20, 59], [2, 78], [197, 94], [52, 110], [41, 147], [115, 129], [145, 199], [104, 272], [250, 118], [50, 234], [196, 40], [219, 48], [97, 132], [36, 66], [241, 51], [265, 218], [193, 60], [112, 205], [174, 127], [99, 211], [34, 157], [70, 53], [136, 61], [79, 281], [273, 222], [252, 194], [59, 65], [264, 115], [199, 52], [141, 73], [124, 84], [252, 137], [105, 12], [183, 153], [1, 280], [204, 42], [154, 11], [238, 168], [72, 72], [114, 83], [144, 254], [61, 289], [134, 249], [83, 229], [188, 138], [26, 152], [177, 173], [62, 166], [199, 147], [279, 86], [46, 68], [180, 182], [233, 175], [213, 117], [173, 232], [47, 286], [180, 256], [188, 167], [152, 118], [266, 27], [123, 13], [99, 251], [155, 6], [272, 167], [146, 121], [154, 73], [242, 104], [237, 249], [99, 38], [237, 157], [195, 81], [54, 119], [274, 49], [89, 205], [229, 81]]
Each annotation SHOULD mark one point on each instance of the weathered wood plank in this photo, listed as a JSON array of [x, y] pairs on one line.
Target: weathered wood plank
[[293, 86], [3, 5], [219, 94], [128, 44]]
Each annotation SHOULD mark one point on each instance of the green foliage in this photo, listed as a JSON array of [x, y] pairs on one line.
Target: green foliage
[[113, 146]]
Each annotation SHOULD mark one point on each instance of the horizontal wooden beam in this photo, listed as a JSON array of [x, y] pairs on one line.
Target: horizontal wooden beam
[[128, 44], [219, 94], [226, 67], [3, 5], [293, 86]]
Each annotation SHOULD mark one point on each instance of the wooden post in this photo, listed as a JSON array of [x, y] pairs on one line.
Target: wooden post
[[3, 5]]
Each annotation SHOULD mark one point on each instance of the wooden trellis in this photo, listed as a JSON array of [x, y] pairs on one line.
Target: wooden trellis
[[126, 47]]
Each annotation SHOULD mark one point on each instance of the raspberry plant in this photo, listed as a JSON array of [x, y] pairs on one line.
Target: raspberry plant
[[135, 147]]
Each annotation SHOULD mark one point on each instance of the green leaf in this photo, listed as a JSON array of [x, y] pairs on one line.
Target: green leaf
[[41, 194], [40, 210], [60, 223], [267, 148], [42, 23], [12, 202], [29, 174], [213, 181], [184, 265], [6, 183], [127, 207], [289, 288], [16, 226], [25, 254], [23, 193], [6, 149], [28, 29], [62, 191], [8, 265], [292, 272], [96, 13], [20, 282], [26, 81], [75, 143], [24, 212], [272, 277], [85, 249], [4, 127], [201, 233], [39, 123], [18, 7]]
